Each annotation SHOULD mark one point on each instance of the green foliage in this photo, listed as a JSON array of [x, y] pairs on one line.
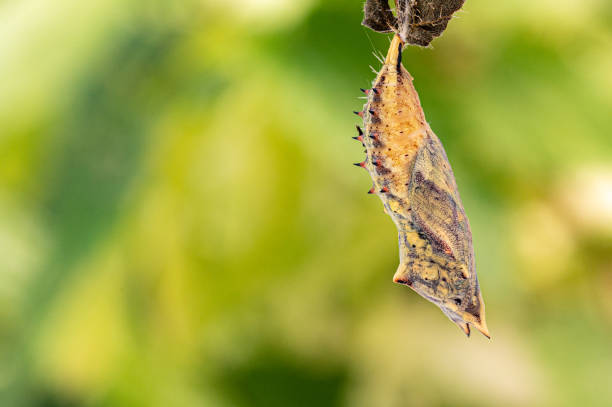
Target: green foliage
[[181, 225]]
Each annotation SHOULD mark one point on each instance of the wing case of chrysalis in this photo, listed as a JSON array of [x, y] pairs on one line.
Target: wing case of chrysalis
[[414, 180]]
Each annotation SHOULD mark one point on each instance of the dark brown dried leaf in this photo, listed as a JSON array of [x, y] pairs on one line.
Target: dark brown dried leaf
[[378, 16], [418, 22]]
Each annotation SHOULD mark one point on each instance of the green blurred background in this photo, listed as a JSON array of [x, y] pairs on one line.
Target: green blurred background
[[181, 225]]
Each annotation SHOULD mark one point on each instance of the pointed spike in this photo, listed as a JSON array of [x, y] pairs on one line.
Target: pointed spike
[[375, 91], [366, 91], [360, 114], [384, 190], [359, 130], [372, 112], [361, 164], [371, 191], [360, 138], [482, 327], [377, 163], [374, 136], [399, 276], [477, 317], [465, 327]]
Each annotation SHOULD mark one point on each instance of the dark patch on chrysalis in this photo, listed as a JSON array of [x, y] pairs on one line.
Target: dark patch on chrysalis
[[418, 22], [382, 170], [399, 58], [373, 118]]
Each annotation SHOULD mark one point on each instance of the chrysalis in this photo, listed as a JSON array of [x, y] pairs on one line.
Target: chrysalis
[[414, 180]]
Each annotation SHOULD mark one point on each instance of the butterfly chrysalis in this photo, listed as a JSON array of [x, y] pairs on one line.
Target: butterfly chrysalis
[[414, 180]]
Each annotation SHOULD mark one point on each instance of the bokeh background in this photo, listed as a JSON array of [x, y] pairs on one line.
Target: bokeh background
[[181, 225]]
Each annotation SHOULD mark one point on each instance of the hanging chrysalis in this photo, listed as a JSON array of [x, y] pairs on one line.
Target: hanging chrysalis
[[414, 180]]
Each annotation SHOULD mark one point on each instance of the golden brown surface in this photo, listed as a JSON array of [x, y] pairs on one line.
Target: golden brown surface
[[415, 182]]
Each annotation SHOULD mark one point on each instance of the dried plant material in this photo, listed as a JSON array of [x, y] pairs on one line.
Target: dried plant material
[[378, 16], [414, 180], [418, 22]]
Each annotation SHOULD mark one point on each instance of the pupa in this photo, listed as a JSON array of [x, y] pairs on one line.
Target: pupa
[[414, 180]]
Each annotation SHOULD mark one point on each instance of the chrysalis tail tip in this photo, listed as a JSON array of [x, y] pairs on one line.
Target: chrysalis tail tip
[[465, 327], [482, 327]]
